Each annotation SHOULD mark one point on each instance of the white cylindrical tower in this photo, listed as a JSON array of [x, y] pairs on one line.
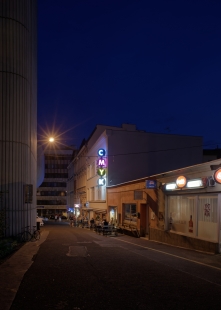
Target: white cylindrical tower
[[18, 114]]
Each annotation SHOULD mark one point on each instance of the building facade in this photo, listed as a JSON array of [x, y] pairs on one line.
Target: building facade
[[52, 193], [180, 207], [18, 114], [113, 155]]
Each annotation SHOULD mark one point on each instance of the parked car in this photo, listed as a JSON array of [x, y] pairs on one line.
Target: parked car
[[63, 217], [52, 217]]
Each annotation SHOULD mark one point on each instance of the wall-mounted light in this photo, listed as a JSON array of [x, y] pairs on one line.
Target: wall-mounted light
[[217, 176], [170, 186], [194, 183], [181, 181]]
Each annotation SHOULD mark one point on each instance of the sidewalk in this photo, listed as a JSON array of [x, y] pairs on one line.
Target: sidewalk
[[14, 268]]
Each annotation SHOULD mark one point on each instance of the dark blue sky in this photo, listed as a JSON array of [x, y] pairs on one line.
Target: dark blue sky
[[156, 64]]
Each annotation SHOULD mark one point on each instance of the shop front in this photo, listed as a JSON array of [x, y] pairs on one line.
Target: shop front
[[180, 207], [131, 205], [192, 207]]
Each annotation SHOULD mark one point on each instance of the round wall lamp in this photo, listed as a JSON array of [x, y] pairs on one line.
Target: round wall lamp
[[217, 176], [181, 181]]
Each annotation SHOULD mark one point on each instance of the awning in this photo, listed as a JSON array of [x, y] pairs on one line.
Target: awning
[[87, 209], [100, 211]]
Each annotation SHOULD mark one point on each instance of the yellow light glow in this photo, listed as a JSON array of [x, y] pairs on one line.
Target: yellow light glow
[[51, 139]]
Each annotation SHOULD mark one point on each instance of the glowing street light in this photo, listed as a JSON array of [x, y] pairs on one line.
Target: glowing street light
[[51, 139]]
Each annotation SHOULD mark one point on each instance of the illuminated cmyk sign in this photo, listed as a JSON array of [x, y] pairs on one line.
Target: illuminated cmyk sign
[[101, 172], [101, 182], [101, 152], [101, 164]]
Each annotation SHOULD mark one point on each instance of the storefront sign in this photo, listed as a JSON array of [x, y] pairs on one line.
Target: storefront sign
[[151, 184], [181, 181], [207, 209], [217, 176]]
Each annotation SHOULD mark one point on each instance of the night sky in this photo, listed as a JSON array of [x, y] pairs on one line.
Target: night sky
[[156, 64]]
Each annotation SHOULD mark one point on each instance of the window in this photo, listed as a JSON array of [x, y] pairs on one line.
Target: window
[[92, 193], [194, 216], [130, 214], [207, 217], [182, 214], [56, 175], [88, 172], [207, 209], [93, 173]]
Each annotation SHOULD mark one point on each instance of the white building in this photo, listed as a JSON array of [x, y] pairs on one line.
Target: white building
[[113, 155]]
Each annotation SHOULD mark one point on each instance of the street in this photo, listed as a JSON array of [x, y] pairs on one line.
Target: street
[[76, 268]]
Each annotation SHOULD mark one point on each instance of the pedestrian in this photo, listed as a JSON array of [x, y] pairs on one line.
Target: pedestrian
[[56, 217], [71, 218], [92, 223], [105, 223], [75, 220]]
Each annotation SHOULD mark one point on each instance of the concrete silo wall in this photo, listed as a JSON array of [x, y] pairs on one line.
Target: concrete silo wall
[[18, 112]]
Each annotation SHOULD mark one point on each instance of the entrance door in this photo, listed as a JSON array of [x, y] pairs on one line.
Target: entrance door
[[113, 215], [144, 220]]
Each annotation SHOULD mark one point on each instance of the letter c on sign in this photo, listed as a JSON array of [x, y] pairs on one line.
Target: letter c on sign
[[101, 152]]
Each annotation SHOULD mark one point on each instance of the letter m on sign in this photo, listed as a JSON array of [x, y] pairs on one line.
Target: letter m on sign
[[101, 162]]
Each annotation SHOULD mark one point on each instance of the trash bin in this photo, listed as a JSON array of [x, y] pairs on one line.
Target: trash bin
[[38, 225]]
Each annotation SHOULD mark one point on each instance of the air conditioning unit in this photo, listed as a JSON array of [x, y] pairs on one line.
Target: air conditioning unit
[[211, 182]]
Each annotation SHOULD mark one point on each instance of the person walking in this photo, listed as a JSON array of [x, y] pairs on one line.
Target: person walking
[[71, 218]]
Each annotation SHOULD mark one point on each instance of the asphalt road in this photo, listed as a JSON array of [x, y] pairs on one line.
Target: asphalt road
[[76, 268]]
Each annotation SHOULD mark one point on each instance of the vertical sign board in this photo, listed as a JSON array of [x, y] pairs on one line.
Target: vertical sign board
[[28, 193], [101, 163]]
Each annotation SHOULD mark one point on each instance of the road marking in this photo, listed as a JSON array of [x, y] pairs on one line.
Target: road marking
[[77, 251], [187, 259]]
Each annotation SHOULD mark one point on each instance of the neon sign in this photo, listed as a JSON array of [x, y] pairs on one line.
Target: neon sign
[[101, 182], [101, 172], [101, 163], [101, 152]]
